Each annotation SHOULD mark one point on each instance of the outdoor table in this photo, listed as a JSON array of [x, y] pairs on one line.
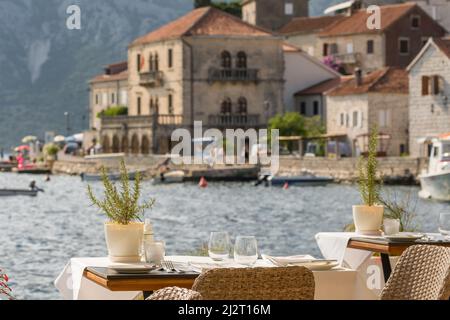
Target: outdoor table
[[88, 278], [387, 248], [354, 250]]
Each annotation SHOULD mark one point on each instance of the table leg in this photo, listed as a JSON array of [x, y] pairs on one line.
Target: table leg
[[386, 264]]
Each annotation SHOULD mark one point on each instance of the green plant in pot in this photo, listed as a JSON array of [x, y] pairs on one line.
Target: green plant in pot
[[368, 217], [124, 228]]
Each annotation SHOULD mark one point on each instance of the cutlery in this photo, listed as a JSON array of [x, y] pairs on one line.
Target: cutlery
[[169, 267]]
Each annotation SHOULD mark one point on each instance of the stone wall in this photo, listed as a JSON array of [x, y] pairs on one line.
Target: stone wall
[[346, 169], [429, 114]]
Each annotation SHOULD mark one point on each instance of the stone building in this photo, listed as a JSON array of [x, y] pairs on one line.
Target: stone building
[[206, 66], [273, 14], [311, 102], [429, 100], [357, 104], [303, 32], [107, 89], [348, 41]]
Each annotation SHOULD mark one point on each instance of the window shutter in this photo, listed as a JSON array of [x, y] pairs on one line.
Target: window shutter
[[425, 85], [361, 118]]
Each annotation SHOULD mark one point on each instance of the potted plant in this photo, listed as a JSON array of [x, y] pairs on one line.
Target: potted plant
[[368, 217], [124, 228]]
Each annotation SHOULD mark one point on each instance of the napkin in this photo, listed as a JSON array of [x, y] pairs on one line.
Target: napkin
[[284, 261]]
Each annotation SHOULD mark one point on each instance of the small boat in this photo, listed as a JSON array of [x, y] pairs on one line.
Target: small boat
[[176, 176], [6, 166], [111, 176], [306, 179], [435, 182], [18, 192], [33, 171]]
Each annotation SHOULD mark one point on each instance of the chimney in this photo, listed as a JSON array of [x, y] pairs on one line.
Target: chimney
[[358, 77]]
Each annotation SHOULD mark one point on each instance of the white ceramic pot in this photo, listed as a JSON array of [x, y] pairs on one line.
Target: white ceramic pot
[[368, 219], [124, 242]]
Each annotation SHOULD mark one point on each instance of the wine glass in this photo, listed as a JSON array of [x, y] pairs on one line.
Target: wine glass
[[245, 250], [219, 246], [444, 224]]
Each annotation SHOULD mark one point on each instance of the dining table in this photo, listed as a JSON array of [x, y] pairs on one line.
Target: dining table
[[92, 279]]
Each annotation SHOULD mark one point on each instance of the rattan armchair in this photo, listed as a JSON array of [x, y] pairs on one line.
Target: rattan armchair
[[422, 273], [175, 293], [289, 283]]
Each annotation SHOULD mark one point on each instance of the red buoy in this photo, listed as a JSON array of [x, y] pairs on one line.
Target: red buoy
[[203, 183], [286, 186]]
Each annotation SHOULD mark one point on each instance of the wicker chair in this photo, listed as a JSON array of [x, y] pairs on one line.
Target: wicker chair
[[289, 283], [422, 273], [175, 293]]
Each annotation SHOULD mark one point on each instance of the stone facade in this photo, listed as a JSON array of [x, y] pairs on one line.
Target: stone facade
[[224, 80], [106, 90], [272, 14], [353, 116], [429, 112]]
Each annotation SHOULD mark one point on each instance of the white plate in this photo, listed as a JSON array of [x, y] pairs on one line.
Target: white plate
[[132, 268], [404, 236], [319, 265]]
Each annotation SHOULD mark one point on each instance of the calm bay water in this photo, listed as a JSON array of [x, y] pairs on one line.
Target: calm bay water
[[39, 235]]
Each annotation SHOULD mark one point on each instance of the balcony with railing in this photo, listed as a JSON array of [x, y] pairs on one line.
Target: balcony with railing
[[348, 58], [233, 74], [142, 121], [151, 78], [234, 120]]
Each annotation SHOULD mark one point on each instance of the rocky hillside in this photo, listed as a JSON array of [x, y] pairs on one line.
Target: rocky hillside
[[44, 67]]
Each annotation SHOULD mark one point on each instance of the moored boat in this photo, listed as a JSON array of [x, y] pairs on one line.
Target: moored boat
[[435, 182], [18, 192], [111, 176], [305, 179], [176, 176]]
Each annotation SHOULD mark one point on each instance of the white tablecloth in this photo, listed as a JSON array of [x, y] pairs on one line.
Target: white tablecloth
[[330, 285]]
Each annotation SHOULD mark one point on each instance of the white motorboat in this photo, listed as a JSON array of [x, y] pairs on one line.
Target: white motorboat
[[435, 182], [175, 176]]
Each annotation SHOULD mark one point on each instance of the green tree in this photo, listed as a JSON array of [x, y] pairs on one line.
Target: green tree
[[289, 124], [113, 111], [233, 7]]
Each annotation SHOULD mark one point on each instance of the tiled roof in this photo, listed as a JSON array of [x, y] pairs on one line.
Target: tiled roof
[[106, 77], [444, 45], [357, 22], [320, 88], [309, 25], [203, 21], [386, 80]]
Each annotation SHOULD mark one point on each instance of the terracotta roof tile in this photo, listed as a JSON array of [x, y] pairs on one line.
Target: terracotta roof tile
[[444, 45], [357, 22], [386, 80], [309, 25], [320, 88], [203, 21], [107, 78]]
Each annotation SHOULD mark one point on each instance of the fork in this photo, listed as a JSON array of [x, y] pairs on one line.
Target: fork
[[169, 267]]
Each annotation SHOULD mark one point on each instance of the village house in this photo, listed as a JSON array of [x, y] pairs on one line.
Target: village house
[[302, 71], [271, 14], [358, 104], [347, 40], [206, 66], [429, 99], [303, 32], [106, 90], [311, 101]]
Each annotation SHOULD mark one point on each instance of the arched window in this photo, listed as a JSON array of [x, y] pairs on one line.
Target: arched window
[[150, 62], [241, 62], [106, 146], [226, 106], [156, 62], [124, 144], [135, 144], [242, 106], [156, 105], [152, 106], [226, 60]]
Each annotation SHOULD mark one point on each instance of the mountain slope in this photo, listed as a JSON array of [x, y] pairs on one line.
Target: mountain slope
[[44, 67]]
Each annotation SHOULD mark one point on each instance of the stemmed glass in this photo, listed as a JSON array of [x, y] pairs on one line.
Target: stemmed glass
[[219, 246], [444, 224], [245, 250]]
